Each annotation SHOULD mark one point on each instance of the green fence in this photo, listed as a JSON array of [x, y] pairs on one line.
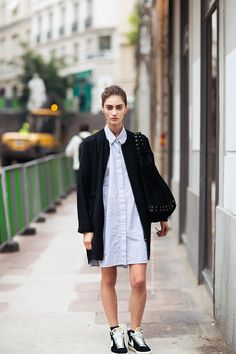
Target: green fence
[[13, 103], [3, 221], [27, 190], [15, 204]]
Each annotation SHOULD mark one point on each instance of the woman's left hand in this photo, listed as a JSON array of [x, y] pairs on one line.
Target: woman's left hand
[[164, 229]]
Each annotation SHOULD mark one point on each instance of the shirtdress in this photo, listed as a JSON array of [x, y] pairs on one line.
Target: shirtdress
[[123, 235]]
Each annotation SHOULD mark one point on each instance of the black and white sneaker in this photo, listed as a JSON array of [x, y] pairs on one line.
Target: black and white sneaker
[[118, 341], [136, 341]]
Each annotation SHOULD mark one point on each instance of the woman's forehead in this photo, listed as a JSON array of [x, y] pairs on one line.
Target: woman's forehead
[[114, 100]]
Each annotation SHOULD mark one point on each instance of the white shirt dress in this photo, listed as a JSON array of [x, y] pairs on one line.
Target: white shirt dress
[[123, 236]]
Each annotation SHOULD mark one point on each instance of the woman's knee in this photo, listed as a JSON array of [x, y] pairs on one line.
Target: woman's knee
[[138, 283], [108, 279]]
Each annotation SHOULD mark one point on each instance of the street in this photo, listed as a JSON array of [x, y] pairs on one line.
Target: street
[[49, 297]]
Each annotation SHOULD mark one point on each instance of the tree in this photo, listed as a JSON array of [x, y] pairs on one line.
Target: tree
[[134, 22], [32, 62]]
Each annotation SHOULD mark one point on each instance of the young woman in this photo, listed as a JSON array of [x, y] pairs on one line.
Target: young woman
[[113, 217]]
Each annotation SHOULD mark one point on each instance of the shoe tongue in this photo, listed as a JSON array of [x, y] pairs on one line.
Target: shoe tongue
[[117, 329]]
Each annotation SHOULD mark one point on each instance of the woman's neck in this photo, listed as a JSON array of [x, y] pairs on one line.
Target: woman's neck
[[115, 130]]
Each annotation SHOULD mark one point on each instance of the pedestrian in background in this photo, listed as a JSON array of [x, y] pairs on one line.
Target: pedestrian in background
[[113, 217], [72, 149]]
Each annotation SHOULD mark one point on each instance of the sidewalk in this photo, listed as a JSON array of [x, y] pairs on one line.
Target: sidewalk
[[49, 297]]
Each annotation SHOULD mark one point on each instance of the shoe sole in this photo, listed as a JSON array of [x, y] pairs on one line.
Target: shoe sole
[[134, 350], [122, 353]]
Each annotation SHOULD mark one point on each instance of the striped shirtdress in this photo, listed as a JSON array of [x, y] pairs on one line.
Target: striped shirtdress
[[123, 235]]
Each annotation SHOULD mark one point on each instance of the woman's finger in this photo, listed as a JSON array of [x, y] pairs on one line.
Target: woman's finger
[[88, 245]]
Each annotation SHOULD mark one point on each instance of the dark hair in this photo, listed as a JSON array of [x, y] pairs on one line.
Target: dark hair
[[114, 90], [84, 127]]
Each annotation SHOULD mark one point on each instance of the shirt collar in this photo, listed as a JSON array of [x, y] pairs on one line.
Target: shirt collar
[[111, 137]]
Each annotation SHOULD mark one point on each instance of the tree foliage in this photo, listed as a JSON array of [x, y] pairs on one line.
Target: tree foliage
[[31, 62], [134, 21]]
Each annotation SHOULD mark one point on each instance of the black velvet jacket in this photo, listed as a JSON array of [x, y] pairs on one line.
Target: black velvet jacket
[[94, 154]]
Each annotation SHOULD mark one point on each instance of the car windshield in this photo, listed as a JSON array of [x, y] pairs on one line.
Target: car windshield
[[42, 124]]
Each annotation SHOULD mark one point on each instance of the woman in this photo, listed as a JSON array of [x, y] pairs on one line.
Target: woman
[[113, 217]]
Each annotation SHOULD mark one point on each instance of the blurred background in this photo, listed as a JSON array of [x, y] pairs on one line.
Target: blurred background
[[76, 47]]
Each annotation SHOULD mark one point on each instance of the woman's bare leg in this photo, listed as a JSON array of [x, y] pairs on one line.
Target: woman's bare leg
[[137, 273], [108, 294]]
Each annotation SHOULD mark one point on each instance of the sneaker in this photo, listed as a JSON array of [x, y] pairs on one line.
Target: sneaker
[[136, 341], [118, 341]]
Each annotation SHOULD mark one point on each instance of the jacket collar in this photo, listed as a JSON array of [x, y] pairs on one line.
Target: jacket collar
[[121, 138]]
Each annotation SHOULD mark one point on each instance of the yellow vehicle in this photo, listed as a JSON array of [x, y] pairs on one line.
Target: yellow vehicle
[[39, 136]]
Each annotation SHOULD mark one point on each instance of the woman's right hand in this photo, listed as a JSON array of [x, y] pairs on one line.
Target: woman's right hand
[[88, 237]]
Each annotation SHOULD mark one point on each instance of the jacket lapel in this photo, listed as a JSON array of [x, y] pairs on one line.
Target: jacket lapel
[[103, 152]]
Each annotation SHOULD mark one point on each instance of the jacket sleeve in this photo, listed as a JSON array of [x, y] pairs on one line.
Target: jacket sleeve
[[84, 189]]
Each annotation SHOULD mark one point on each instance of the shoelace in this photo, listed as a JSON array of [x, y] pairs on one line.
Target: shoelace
[[118, 339], [138, 336]]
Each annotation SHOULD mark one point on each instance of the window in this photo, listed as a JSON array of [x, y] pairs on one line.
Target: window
[[76, 52], [89, 8], [88, 20], [15, 43], [50, 25], [14, 7], [2, 47], [62, 28], [38, 37], [89, 48], [76, 11], [76, 17], [105, 42]]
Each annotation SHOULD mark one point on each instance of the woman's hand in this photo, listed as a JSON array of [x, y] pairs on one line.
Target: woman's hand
[[88, 237], [164, 229]]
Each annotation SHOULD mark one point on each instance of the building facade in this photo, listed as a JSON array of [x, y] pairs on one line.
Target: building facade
[[89, 38], [14, 29], [192, 79]]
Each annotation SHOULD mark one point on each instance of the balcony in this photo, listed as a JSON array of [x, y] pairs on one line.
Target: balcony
[[97, 55]]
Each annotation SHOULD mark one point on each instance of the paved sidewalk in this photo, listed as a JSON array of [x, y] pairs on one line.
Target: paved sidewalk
[[49, 297]]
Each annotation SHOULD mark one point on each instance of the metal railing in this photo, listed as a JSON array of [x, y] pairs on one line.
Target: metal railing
[[27, 190]]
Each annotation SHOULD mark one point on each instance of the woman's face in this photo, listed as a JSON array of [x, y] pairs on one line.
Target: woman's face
[[114, 110]]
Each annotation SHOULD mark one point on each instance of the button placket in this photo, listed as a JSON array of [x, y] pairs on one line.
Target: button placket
[[122, 206]]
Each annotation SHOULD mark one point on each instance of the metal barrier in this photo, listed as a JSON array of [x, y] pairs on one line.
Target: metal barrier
[[27, 190], [14, 198], [3, 225]]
